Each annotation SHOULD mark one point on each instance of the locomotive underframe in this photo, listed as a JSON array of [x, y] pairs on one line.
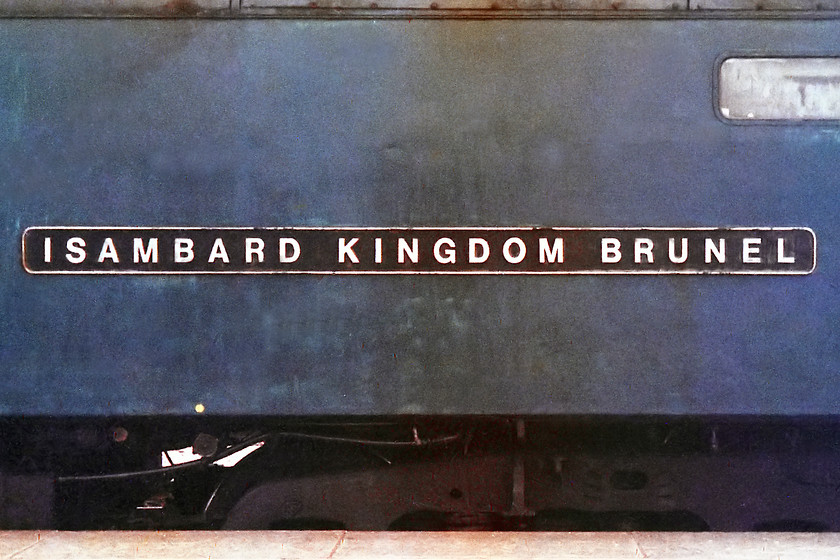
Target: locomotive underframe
[[424, 473]]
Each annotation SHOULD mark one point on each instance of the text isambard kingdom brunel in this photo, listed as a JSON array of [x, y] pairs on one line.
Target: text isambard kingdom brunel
[[124, 250]]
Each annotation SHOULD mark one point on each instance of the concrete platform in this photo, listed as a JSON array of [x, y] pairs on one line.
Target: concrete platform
[[54, 545]]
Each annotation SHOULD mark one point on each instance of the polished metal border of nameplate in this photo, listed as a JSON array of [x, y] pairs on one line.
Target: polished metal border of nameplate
[[420, 250]]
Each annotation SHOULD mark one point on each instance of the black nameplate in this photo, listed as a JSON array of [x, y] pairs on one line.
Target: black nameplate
[[173, 250]]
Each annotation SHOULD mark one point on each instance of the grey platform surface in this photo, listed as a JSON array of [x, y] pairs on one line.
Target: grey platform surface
[[31, 545]]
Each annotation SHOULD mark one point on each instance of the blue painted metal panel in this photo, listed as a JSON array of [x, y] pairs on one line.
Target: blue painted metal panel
[[408, 123]]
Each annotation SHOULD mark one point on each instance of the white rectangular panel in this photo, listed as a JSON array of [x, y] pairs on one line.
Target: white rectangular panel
[[780, 89]]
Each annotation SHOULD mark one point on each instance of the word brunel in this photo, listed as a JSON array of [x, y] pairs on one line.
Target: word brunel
[[333, 250]]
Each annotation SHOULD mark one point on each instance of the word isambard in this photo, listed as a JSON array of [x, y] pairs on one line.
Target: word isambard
[[173, 250]]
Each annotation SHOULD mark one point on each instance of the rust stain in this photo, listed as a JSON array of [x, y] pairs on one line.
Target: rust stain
[[181, 8]]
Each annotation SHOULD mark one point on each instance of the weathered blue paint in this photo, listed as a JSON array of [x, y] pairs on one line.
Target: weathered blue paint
[[408, 123]]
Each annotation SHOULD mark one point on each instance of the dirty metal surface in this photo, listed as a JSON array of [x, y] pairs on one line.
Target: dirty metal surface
[[418, 8], [159, 8], [407, 123]]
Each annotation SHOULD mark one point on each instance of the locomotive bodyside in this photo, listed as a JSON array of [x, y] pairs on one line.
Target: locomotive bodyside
[[528, 266], [408, 123]]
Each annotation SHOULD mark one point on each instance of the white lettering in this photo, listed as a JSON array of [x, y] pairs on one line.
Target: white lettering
[[254, 247], [184, 250], [75, 253], [520, 250], [553, 254], [448, 256], [377, 244], [672, 250], [752, 246], [218, 251], [403, 250], [643, 246], [148, 254], [285, 243], [345, 250], [782, 258], [109, 251], [718, 250], [48, 249], [475, 243], [610, 250]]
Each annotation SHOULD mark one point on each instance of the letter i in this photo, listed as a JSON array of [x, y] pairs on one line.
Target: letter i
[[47, 249], [378, 250]]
